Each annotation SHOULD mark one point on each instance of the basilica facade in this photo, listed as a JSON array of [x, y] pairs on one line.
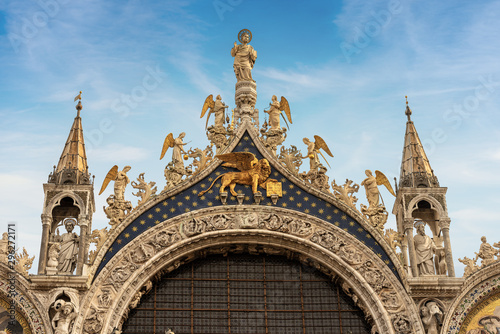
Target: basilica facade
[[240, 241]]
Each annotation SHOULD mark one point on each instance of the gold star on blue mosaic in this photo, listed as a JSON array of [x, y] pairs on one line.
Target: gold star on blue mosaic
[[297, 199]]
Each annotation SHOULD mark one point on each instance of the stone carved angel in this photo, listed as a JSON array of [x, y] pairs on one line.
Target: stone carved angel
[[178, 149], [252, 171], [371, 184], [313, 148], [118, 207], [275, 111], [376, 211], [216, 107], [121, 180]]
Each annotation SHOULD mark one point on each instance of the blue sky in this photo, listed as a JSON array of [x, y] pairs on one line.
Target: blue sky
[[344, 67]]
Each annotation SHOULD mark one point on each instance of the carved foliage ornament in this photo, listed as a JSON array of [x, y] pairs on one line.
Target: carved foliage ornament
[[331, 241]]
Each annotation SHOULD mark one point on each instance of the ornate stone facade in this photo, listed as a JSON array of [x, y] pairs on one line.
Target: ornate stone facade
[[402, 282]]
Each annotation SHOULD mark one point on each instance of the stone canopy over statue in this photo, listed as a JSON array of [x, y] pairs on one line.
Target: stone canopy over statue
[[244, 56]]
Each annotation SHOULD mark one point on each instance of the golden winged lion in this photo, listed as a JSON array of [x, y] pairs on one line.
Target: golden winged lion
[[252, 171]]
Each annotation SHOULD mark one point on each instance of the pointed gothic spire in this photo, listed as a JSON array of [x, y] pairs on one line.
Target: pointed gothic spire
[[72, 167], [416, 170]]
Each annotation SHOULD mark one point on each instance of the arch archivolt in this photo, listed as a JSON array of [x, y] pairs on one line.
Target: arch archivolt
[[163, 248], [476, 289], [78, 201], [435, 205], [27, 303]]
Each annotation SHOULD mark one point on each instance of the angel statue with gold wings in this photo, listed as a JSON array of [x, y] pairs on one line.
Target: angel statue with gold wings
[[275, 111], [178, 146], [371, 184], [217, 107], [313, 148], [121, 180], [252, 172]]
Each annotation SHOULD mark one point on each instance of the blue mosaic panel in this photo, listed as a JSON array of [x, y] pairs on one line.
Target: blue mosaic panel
[[294, 198]]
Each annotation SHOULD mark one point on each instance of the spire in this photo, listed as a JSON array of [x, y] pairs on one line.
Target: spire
[[72, 167], [416, 170]]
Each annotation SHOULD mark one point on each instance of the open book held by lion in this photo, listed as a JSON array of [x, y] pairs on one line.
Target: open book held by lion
[[253, 172]]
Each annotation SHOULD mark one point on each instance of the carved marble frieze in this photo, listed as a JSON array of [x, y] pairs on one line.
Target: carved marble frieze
[[135, 263]]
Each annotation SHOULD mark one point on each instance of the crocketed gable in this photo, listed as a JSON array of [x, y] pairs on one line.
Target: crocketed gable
[[295, 198]]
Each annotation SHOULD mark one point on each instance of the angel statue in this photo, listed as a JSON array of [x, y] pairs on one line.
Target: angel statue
[[175, 171], [118, 207], [371, 184], [376, 212], [121, 180], [217, 107], [275, 111], [244, 56], [313, 148], [178, 146], [252, 172]]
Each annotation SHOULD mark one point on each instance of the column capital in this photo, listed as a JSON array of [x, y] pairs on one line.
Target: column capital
[[444, 223], [83, 220], [408, 224], [46, 219]]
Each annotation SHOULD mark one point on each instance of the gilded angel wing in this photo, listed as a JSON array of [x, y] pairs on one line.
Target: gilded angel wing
[[209, 103], [169, 142], [284, 106], [320, 143], [382, 179], [240, 160], [111, 176]]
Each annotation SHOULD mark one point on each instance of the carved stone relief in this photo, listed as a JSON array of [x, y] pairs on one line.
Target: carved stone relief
[[194, 227]]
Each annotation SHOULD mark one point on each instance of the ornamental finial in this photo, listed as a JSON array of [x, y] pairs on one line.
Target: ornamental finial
[[408, 110]]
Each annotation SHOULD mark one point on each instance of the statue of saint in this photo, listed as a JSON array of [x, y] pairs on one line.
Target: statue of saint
[[424, 249], [371, 188], [244, 56], [486, 253], [121, 182], [69, 249], [63, 320]]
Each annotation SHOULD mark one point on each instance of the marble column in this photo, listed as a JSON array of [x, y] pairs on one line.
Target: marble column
[[444, 225], [83, 223], [404, 251], [408, 227], [42, 261]]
